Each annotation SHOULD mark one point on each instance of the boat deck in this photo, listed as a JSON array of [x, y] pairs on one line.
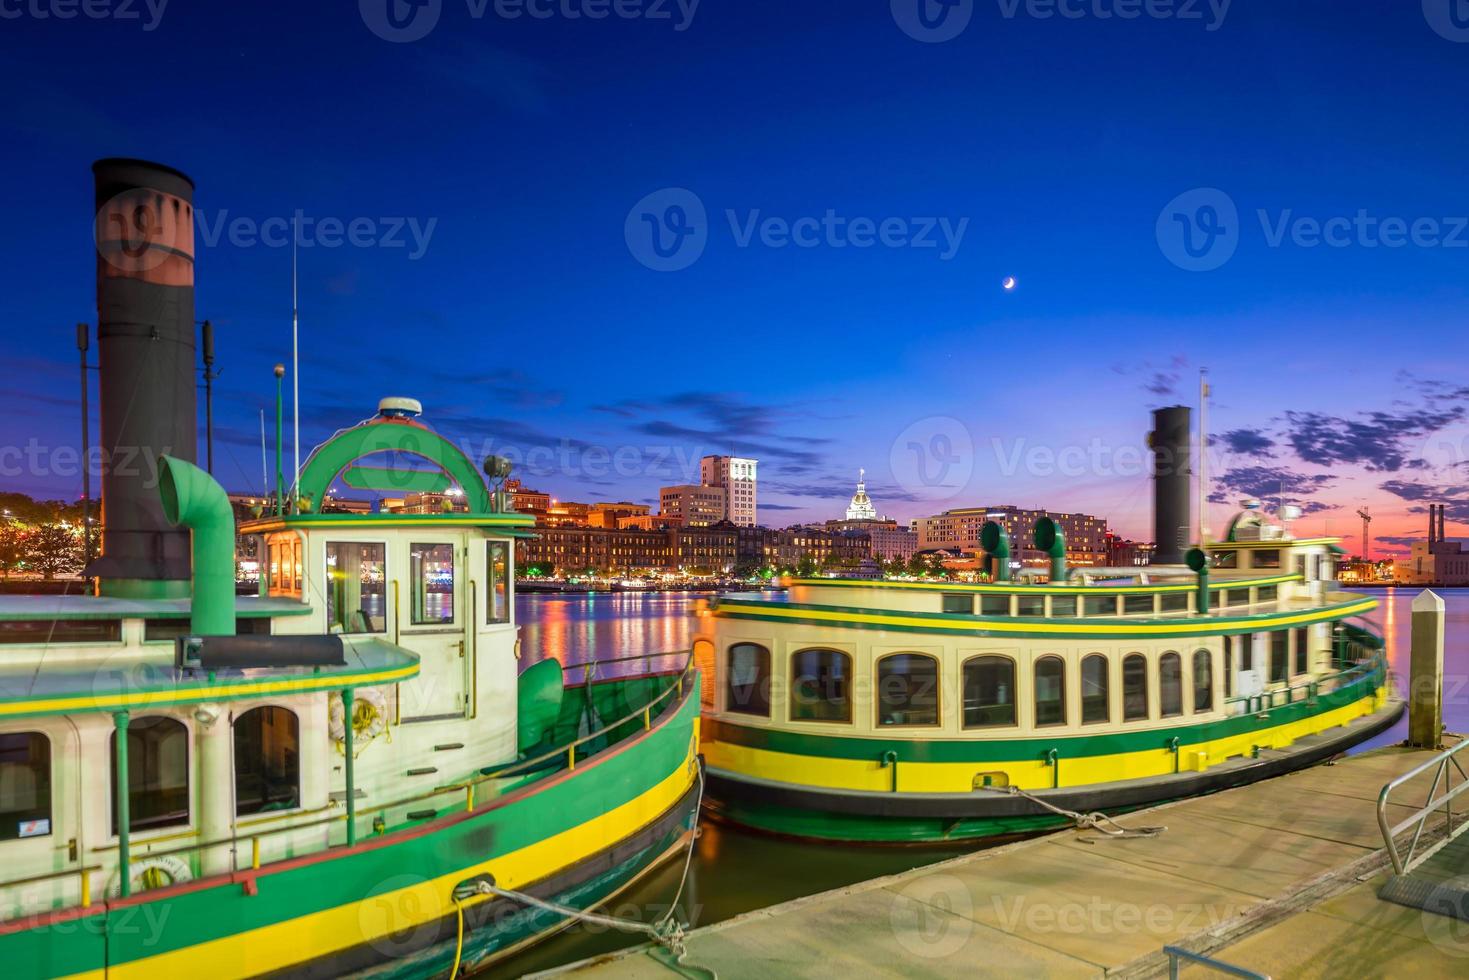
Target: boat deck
[[1279, 877]]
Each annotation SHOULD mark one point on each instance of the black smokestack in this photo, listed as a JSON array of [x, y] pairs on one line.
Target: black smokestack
[[145, 340], [1172, 470]]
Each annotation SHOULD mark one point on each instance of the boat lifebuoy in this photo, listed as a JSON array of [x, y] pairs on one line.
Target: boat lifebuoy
[[369, 717], [151, 873]]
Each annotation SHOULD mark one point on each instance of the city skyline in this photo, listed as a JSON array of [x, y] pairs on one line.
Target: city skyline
[[1338, 366]]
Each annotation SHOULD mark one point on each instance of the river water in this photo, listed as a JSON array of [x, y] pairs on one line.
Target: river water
[[734, 871]]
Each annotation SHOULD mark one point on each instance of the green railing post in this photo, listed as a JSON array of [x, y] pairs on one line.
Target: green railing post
[[124, 816], [348, 747], [890, 758], [1053, 759]]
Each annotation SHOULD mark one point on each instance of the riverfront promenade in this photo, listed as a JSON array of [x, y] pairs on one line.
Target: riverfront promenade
[[1280, 877]]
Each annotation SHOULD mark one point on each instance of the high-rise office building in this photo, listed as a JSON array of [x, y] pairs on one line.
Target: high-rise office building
[[736, 475]]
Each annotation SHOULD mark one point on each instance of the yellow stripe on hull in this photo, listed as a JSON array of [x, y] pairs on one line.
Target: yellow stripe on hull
[[307, 937], [958, 777]]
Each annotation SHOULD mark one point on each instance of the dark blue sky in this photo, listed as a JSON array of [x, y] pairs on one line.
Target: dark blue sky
[[520, 149]]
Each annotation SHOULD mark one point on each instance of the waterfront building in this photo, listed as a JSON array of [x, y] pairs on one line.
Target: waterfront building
[[1086, 536], [889, 539], [694, 504], [1435, 560], [735, 475], [572, 550], [704, 550], [1124, 552], [610, 515], [526, 501], [433, 503], [650, 522]]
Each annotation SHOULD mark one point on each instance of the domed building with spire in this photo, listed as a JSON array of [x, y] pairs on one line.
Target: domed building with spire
[[889, 540], [861, 509]]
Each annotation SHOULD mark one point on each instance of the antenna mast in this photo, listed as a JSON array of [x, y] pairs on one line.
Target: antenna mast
[[1203, 457], [295, 375]]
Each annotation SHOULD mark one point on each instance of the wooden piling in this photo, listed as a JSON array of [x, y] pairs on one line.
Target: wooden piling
[[1425, 681]]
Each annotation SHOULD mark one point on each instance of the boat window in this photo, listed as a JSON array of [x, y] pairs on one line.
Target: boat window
[[61, 631], [1266, 593], [1301, 566], [1134, 604], [1099, 605], [1170, 684], [908, 690], [158, 773], [497, 567], [994, 605], [1203, 681], [1237, 597], [1303, 651], [431, 568], [285, 565], [1030, 605], [1175, 601], [1134, 687], [747, 680], [821, 686], [1279, 659], [989, 692], [1050, 691], [1265, 558], [357, 587], [1094, 702], [1229, 666], [959, 602], [1246, 649], [25, 785], [267, 761], [1224, 559]]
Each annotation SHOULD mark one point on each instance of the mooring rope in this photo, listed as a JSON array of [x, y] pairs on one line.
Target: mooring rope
[[667, 931], [1099, 822]]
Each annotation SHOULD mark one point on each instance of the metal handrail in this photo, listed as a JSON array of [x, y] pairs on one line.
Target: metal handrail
[[1442, 776], [465, 787], [1311, 686], [1175, 954]]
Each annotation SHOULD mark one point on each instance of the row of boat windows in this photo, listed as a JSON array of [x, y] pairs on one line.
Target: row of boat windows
[[267, 772], [357, 583], [908, 688], [1130, 604]]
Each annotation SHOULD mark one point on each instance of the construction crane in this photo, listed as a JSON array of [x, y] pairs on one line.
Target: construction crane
[[1366, 534]]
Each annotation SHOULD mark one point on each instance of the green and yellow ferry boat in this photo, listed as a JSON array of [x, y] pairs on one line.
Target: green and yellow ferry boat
[[348, 773], [898, 711]]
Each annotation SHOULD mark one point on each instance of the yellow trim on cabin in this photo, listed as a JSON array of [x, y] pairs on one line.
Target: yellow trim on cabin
[[292, 942], [1049, 588], [958, 777], [97, 702]]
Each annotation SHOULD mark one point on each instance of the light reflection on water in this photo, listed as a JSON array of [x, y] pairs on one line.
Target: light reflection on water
[[733, 871]]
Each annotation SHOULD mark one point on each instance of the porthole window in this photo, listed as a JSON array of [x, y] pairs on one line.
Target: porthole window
[[989, 692], [821, 686], [158, 773], [1170, 684], [907, 690], [1134, 687], [267, 761], [1095, 706], [1203, 681], [25, 785], [747, 680], [1050, 691]]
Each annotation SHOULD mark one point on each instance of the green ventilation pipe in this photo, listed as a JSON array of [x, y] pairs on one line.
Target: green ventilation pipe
[[996, 544], [1048, 538], [193, 499], [1198, 560]]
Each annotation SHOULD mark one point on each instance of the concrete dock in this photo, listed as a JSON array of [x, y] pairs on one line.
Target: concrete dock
[[1280, 878]]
